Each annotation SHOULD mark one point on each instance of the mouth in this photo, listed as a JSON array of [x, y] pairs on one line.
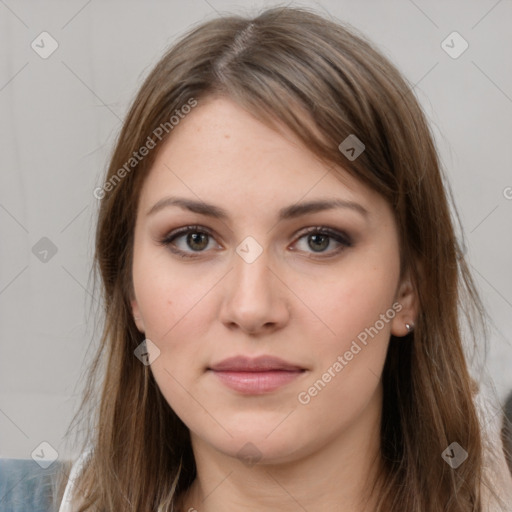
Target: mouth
[[255, 376]]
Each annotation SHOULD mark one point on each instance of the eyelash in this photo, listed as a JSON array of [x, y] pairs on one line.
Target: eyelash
[[340, 237]]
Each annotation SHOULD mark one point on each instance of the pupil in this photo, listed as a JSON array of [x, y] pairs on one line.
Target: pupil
[[194, 240], [323, 238]]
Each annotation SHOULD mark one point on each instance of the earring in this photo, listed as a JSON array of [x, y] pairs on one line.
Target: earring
[[409, 327]]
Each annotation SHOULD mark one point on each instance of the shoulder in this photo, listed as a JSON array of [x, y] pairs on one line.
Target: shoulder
[[76, 469]]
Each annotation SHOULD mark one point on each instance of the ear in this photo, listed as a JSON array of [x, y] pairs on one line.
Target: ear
[[136, 315], [407, 297]]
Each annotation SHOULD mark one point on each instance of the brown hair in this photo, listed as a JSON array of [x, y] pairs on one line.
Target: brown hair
[[324, 81]]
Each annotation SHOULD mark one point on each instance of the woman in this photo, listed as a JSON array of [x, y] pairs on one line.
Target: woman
[[282, 289]]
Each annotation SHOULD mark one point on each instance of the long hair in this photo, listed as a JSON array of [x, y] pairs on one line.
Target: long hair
[[324, 81]]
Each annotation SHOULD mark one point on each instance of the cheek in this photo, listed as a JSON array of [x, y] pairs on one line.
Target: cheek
[[353, 301], [166, 295], [346, 377], [173, 313], [176, 310], [354, 337]]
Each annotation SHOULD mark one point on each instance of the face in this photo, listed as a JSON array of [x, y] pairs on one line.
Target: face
[[237, 265]]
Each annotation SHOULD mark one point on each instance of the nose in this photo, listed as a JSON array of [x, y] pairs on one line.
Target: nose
[[255, 299]]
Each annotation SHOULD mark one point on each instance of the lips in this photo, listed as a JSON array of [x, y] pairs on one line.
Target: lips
[[258, 364], [255, 376]]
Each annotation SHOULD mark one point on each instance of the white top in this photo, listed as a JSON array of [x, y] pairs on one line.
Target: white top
[[65, 505]]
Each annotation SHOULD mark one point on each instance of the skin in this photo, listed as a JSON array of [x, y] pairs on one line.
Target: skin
[[300, 301]]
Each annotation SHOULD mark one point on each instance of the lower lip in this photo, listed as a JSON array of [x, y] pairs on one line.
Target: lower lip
[[254, 383]]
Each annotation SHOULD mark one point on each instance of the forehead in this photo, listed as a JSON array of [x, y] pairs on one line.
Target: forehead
[[221, 152]]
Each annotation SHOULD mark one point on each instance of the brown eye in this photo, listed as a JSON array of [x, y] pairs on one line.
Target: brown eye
[[188, 242], [320, 239], [197, 241], [318, 242]]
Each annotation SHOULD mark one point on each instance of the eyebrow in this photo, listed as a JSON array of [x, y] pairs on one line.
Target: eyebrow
[[286, 213]]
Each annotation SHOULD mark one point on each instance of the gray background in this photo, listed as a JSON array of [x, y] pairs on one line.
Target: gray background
[[59, 117]]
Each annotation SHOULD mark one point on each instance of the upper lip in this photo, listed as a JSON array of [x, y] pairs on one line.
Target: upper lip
[[248, 364]]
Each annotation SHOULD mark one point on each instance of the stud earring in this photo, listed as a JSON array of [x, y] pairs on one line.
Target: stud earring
[[409, 327]]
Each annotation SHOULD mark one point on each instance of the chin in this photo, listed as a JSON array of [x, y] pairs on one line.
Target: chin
[[257, 447]]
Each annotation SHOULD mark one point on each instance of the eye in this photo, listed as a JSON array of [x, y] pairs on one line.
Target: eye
[[320, 238], [196, 238]]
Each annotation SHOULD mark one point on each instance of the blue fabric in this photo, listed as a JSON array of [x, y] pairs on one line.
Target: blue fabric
[[25, 486]]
